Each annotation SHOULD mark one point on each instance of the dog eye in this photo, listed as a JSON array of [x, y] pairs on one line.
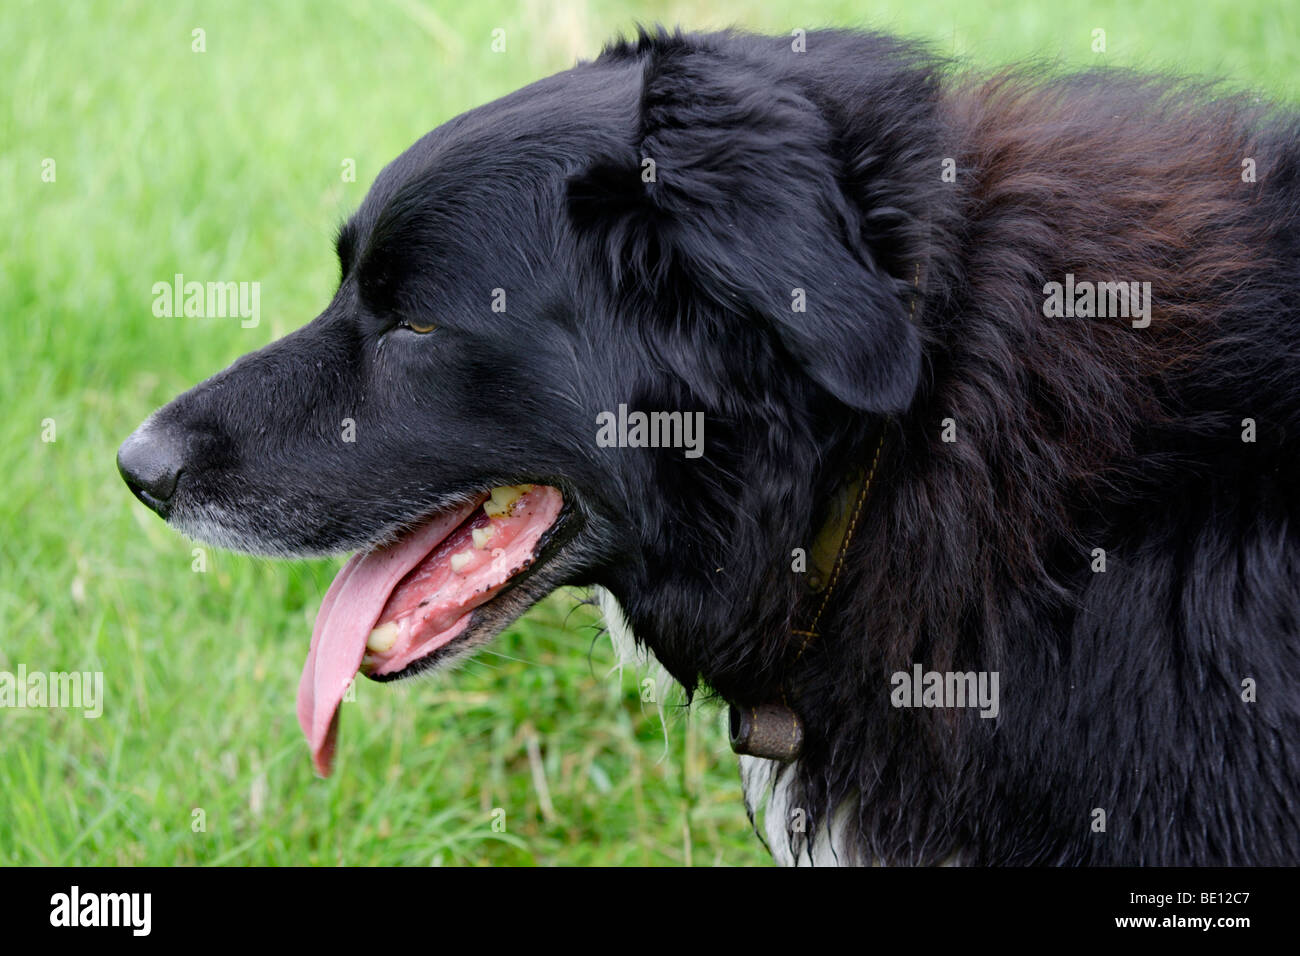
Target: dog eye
[[417, 326]]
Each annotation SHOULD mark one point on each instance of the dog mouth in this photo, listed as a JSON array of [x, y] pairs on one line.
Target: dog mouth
[[397, 605]]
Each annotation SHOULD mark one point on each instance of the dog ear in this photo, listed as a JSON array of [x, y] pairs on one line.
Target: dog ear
[[734, 189]]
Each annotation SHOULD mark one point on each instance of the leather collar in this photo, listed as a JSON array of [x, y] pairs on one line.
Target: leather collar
[[773, 730]]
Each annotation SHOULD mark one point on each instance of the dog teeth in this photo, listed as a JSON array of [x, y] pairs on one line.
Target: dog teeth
[[382, 638], [483, 535], [460, 559], [503, 500]]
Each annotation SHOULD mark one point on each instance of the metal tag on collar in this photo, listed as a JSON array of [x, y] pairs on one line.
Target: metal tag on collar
[[772, 731]]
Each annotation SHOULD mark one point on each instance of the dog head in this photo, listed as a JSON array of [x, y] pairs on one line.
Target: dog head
[[718, 229]]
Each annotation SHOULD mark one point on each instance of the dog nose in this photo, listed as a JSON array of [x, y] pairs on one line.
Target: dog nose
[[150, 461]]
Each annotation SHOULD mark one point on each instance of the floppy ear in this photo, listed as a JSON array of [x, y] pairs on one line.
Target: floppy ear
[[734, 187]]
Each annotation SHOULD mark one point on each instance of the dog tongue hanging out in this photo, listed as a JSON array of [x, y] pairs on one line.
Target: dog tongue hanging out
[[397, 604]]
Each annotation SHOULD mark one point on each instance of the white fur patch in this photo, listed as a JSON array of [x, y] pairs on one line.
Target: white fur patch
[[769, 800], [629, 653], [620, 632]]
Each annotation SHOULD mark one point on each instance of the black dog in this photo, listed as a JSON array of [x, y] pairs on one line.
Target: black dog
[[1021, 351]]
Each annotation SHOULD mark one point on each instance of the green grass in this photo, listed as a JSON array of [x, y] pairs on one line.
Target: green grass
[[226, 164]]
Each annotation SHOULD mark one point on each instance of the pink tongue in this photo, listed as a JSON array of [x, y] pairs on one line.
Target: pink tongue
[[347, 615]]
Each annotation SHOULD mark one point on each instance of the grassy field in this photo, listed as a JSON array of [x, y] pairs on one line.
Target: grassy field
[[227, 164]]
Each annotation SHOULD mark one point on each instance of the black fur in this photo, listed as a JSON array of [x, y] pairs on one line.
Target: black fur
[[776, 171]]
